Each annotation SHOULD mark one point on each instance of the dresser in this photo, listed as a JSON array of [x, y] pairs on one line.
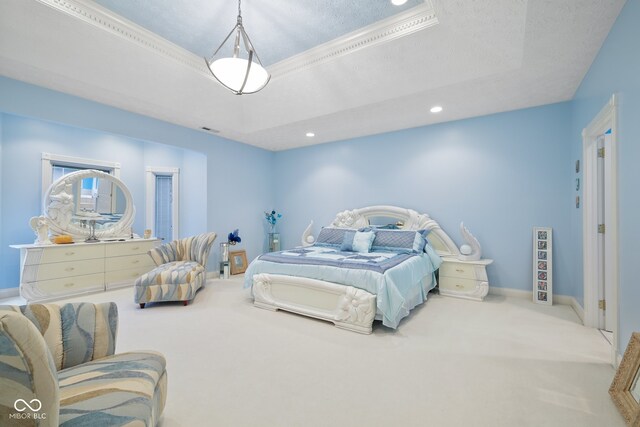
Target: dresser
[[464, 279], [55, 271]]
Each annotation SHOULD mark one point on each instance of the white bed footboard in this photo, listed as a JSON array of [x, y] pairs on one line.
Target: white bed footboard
[[345, 306]]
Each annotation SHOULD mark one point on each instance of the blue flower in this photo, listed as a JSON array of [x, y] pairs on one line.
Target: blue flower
[[234, 237], [273, 217]]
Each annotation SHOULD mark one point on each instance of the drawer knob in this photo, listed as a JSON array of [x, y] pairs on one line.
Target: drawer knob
[[459, 286], [136, 261], [68, 285], [69, 269], [69, 253], [135, 248]]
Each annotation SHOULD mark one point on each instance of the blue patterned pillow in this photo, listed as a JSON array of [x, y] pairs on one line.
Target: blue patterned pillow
[[403, 241], [331, 236], [357, 241]]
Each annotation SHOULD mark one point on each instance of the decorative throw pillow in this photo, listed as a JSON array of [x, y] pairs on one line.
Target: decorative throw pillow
[[357, 241], [403, 241], [331, 236]]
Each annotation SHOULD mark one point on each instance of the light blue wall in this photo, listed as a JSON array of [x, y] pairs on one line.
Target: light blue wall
[[235, 190], [25, 139], [500, 174], [616, 69]]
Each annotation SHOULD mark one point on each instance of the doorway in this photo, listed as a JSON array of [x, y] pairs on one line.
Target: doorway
[[162, 202], [600, 225]]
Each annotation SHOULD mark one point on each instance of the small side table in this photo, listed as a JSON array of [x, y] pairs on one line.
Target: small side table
[[274, 242], [224, 260], [464, 279]]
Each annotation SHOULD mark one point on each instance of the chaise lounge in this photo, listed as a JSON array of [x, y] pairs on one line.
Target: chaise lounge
[[181, 270]]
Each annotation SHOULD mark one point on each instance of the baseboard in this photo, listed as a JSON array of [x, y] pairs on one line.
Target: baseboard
[[9, 293], [576, 307], [559, 299], [510, 292]]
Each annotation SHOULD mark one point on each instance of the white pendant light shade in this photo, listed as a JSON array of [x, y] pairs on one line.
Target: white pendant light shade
[[236, 65], [232, 72]]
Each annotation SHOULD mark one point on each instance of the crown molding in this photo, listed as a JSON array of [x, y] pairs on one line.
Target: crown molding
[[400, 25], [98, 16]]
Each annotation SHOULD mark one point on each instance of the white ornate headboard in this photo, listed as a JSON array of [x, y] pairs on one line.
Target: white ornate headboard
[[410, 220]]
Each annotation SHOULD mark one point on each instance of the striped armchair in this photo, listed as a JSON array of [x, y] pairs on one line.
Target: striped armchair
[[181, 270], [57, 366]]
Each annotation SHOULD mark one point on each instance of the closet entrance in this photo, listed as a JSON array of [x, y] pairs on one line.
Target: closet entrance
[[600, 225]]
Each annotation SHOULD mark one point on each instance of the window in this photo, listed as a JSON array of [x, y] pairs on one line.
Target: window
[[55, 166], [162, 202]]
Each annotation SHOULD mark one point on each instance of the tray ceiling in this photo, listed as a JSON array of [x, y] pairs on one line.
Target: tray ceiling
[[347, 71]]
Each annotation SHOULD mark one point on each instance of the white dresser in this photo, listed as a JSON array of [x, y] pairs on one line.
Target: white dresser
[[464, 279], [55, 271]]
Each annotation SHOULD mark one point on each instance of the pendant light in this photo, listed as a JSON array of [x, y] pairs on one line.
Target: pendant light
[[241, 70]]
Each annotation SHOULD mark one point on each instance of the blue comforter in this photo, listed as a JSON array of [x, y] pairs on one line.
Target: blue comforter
[[399, 281]]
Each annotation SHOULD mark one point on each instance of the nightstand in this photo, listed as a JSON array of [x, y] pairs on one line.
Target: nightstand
[[464, 279]]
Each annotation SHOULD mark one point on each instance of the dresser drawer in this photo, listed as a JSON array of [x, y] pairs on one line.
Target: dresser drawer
[[129, 248], [455, 269], [57, 270], [124, 276], [69, 285], [64, 253], [458, 285], [131, 261]]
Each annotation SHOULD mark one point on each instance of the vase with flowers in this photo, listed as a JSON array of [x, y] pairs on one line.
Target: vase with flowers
[[272, 218], [234, 237], [274, 238]]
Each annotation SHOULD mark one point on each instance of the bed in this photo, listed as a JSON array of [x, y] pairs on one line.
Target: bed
[[339, 279]]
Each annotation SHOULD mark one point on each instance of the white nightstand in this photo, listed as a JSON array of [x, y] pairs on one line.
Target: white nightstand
[[464, 279]]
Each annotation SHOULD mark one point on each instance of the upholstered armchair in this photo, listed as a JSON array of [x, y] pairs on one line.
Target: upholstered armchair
[[57, 366], [181, 270]]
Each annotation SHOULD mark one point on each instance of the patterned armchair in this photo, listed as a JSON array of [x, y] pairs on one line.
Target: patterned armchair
[[181, 270], [57, 366]]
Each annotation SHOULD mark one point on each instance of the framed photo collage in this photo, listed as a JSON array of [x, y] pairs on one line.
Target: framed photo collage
[[542, 265]]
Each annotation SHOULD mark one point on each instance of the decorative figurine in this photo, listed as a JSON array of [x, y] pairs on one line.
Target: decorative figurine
[[41, 228]]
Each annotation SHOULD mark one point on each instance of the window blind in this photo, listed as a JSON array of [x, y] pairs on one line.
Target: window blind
[[164, 207]]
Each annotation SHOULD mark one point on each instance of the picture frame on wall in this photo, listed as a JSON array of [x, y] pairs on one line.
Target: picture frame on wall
[[238, 261], [542, 265], [625, 388]]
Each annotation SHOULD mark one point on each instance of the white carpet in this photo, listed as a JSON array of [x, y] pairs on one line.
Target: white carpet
[[502, 362]]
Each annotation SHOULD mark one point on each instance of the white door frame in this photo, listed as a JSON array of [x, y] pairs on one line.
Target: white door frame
[[152, 171], [605, 120]]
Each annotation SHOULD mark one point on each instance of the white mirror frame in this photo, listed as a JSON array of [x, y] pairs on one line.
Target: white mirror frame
[[59, 207]]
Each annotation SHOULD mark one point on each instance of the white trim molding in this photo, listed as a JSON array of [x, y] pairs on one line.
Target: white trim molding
[[98, 16], [400, 25], [9, 293], [150, 199], [605, 120], [558, 299]]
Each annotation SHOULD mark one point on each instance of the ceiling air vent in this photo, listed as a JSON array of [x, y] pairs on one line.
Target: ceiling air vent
[[210, 130]]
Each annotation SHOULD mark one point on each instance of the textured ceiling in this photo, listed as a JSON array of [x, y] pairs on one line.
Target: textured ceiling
[[472, 57], [278, 28]]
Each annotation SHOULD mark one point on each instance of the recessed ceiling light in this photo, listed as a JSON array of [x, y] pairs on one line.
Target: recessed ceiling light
[[310, 134], [398, 2], [436, 109]]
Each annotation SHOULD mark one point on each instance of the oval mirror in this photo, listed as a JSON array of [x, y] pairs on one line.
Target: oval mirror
[[80, 201]]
